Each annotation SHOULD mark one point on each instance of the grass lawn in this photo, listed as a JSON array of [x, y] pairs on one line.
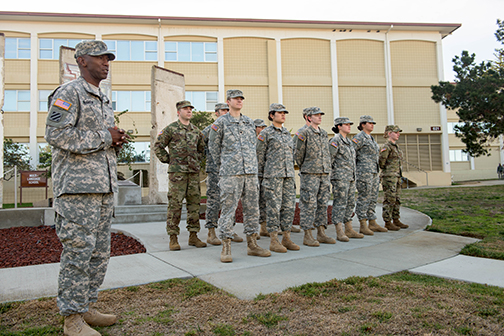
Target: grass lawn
[[23, 205]]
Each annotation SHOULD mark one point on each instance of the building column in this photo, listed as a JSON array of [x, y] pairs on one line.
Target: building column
[[445, 143], [161, 50], [279, 69], [34, 159], [334, 77], [388, 79], [501, 149], [471, 161], [220, 69]]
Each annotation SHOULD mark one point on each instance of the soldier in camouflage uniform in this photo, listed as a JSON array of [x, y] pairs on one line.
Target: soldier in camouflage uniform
[[259, 126], [313, 158], [343, 179], [390, 162], [276, 170], [367, 152], [232, 145], [185, 150], [80, 128]]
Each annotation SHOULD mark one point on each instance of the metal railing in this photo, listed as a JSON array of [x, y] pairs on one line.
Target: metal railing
[[419, 169], [15, 183]]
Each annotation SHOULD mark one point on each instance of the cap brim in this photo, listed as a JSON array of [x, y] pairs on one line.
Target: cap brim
[[110, 55]]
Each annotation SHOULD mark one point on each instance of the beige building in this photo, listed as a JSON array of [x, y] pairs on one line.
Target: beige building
[[346, 68]]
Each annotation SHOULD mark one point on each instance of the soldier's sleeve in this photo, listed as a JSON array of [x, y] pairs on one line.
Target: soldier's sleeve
[[201, 146], [384, 153], [357, 143], [215, 143], [261, 152], [300, 148], [333, 148], [162, 141], [64, 112]]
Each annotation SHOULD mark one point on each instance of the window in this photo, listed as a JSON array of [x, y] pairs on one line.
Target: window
[[191, 51], [202, 101], [450, 126], [49, 48], [133, 50], [17, 101], [17, 48], [137, 101], [43, 99], [458, 155]]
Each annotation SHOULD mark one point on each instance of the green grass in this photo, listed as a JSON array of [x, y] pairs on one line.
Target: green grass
[[35, 331], [268, 319], [23, 205], [224, 330]]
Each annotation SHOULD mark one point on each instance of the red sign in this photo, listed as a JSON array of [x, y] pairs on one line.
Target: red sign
[[435, 128], [33, 179]]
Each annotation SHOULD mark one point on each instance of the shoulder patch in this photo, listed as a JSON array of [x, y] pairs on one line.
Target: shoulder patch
[[63, 104], [260, 137], [300, 136], [334, 144], [355, 140], [55, 115], [383, 149], [160, 132], [215, 127]]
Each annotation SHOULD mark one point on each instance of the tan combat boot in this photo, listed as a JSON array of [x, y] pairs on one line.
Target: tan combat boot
[[76, 326], [195, 241], [373, 226], [263, 231], [255, 250], [308, 239], [288, 243], [275, 245], [391, 227], [364, 228], [96, 319], [174, 245], [212, 237], [236, 238], [225, 255], [322, 237], [349, 231], [340, 234], [295, 229], [400, 224]]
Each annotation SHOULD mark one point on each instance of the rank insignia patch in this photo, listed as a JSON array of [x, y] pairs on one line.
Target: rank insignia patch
[[63, 104]]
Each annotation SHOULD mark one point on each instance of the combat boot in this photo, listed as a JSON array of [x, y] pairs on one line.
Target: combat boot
[[340, 234], [212, 238], [364, 228], [295, 229], [263, 231], [373, 226], [195, 241], [76, 326], [236, 238], [225, 255], [308, 239], [255, 250], [322, 237], [349, 231], [288, 243], [391, 227], [174, 245], [96, 319], [400, 224], [275, 245]]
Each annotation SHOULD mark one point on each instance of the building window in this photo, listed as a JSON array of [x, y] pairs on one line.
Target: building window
[[49, 48], [458, 155], [17, 48], [450, 126], [136, 101], [133, 50], [202, 101], [191, 51], [17, 101], [43, 99]]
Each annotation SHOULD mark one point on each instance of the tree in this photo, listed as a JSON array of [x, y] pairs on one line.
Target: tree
[[15, 154], [201, 120], [478, 98]]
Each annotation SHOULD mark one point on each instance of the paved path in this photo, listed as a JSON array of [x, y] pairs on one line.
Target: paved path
[[412, 249]]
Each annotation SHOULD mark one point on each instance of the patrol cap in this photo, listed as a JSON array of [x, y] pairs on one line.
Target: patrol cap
[[366, 119], [221, 106], [342, 120], [234, 94], [276, 107], [259, 123], [312, 110], [93, 48], [184, 103], [392, 128]]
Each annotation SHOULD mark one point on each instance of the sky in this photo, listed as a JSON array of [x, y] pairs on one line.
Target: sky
[[476, 35]]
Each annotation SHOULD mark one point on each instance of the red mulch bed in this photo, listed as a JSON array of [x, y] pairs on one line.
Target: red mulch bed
[[24, 246]]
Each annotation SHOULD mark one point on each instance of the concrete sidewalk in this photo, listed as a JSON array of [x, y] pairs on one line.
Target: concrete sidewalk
[[411, 249]]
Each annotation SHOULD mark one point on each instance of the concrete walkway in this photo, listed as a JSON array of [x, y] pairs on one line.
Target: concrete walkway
[[412, 249]]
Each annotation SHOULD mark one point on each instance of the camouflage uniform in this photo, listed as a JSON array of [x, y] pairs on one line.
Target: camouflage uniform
[[84, 173], [232, 145], [314, 162], [390, 162], [367, 151], [342, 178], [213, 191], [185, 151], [276, 167], [262, 202]]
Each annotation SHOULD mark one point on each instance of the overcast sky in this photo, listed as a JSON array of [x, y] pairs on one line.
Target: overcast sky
[[478, 17]]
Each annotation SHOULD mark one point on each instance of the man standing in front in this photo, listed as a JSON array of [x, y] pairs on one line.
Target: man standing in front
[[80, 128], [185, 150], [232, 145]]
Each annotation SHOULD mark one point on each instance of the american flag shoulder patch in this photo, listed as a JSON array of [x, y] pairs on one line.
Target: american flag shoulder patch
[[383, 149], [260, 137], [300, 136], [215, 127], [355, 140], [334, 144], [62, 104]]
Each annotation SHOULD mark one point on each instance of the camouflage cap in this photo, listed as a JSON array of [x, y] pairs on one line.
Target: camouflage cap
[[342, 120], [221, 106], [276, 107], [234, 94], [184, 103], [366, 119], [259, 123], [392, 128], [93, 48], [312, 110]]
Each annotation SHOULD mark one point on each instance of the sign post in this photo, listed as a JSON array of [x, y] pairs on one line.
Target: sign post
[[32, 179]]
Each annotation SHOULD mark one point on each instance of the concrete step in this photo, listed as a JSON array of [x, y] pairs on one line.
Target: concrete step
[[140, 218], [133, 209]]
